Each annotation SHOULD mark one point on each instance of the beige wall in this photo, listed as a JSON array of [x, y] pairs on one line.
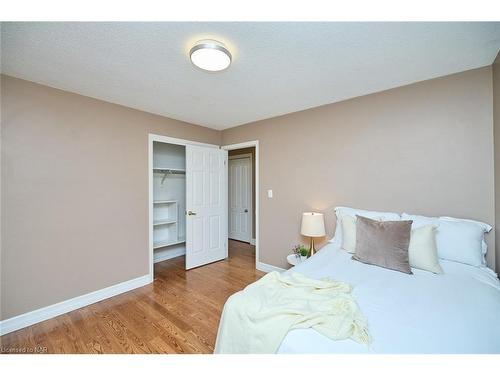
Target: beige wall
[[74, 175], [74, 193], [425, 148], [496, 117]]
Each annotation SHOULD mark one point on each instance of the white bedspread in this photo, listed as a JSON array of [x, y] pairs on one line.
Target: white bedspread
[[457, 312], [256, 319]]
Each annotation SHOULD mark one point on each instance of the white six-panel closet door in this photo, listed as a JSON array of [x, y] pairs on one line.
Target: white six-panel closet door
[[206, 205]]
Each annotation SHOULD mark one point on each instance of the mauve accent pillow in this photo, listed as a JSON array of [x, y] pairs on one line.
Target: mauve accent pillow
[[383, 243]]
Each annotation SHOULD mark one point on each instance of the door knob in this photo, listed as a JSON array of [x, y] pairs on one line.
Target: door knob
[[246, 210], [191, 213]]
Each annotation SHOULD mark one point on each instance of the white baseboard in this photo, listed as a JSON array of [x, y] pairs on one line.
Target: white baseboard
[[252, 241], [37, 316], [264, 267], [165, 254]]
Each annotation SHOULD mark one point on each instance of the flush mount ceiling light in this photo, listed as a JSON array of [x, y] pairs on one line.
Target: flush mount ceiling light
[[210, 55]]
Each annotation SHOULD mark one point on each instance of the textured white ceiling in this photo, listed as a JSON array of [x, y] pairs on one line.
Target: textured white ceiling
[[277, 68]]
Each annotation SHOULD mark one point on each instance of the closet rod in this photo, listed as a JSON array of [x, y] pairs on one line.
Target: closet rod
[[168, 170]]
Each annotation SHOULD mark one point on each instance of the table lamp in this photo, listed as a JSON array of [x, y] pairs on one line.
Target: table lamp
[[313, 225]]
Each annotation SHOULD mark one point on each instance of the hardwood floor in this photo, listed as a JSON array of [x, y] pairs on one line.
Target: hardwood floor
[[178, 313]]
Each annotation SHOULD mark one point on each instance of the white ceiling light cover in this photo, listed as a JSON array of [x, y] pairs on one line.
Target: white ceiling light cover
[[210, 55]]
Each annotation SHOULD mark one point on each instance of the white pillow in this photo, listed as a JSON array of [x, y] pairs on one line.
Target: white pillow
[[459, 240], [422, 251], [349, 233], [342, 211], [485, 227], [420, 221]]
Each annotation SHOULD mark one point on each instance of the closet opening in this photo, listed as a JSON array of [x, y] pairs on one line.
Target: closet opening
[[187, 202], [189, 195], [169, 201]]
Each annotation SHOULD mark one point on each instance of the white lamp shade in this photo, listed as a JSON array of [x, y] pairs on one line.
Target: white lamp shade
[[313, 224]]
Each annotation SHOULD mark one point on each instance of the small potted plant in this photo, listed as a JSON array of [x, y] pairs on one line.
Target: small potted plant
[[300, 252]]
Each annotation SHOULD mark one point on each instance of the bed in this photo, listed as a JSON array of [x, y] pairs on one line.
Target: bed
[[454, 312]]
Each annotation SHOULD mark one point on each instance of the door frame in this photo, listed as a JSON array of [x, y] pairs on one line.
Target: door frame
[[255, 144], [163, 139], [236, 157]]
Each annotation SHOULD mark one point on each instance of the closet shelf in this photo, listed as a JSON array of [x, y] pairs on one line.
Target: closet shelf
[[159, 244], [164, 222]]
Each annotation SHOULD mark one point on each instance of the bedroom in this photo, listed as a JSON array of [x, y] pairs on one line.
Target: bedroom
[[358, 137]]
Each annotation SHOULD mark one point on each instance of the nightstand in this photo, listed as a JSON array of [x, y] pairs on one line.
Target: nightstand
[[294, 260]]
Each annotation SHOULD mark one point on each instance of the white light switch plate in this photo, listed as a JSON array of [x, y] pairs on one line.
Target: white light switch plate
[[269, 193]]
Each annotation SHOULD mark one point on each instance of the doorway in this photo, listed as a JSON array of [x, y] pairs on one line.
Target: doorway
[[205, 239], [243, 188], [187, 201], [241, 194]]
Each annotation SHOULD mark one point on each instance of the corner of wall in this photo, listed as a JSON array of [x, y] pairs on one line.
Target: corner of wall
[[496, 149]]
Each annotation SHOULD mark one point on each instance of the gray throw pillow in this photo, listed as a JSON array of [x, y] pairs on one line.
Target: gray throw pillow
[[383, 243]]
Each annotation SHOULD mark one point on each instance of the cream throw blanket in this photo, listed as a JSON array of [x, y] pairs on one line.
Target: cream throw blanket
[[256, 319]]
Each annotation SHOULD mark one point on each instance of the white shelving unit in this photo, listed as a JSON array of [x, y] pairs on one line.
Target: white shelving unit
[[169, 185], [165, 224]]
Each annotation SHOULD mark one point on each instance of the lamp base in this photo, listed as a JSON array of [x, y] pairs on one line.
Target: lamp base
[[312, 250]]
